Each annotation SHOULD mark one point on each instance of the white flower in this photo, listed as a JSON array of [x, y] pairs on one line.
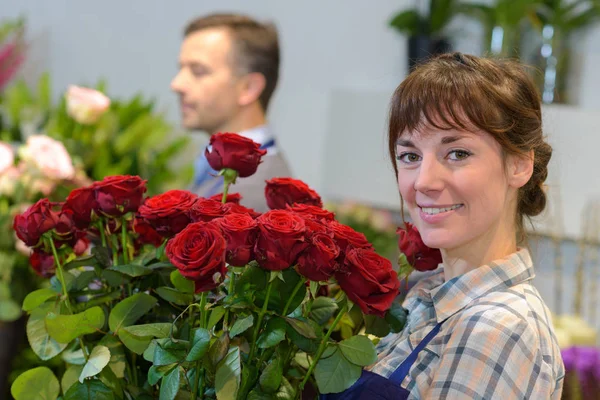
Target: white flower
[[49, 156], [86, 105], [7, 157]]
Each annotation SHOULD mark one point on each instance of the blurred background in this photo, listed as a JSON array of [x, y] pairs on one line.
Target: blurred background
[[341, 61]]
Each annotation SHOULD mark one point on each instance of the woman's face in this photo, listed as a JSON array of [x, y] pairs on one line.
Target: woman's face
[[457, 187]]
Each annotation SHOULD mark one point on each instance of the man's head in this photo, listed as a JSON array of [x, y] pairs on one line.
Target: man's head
[[229, 66]]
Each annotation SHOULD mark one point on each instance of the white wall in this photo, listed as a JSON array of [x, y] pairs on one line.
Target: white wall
[[327, 45]]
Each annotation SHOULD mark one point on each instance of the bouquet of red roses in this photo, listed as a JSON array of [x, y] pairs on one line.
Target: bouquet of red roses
[[189, 297]]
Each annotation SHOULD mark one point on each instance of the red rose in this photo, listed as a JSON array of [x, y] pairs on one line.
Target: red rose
[[369, 280], [231, 198], [42, 263], [281, 192], [206, 210], [313, 212], [168, 212], [232, 208], [418, 255], [240, 231], [314, 226], [281, 239], [146, 233], [230, 150], [81, 202], [198, 251], [120, 194], [81, 246], [346, 237], [35, 221], [318, 261]]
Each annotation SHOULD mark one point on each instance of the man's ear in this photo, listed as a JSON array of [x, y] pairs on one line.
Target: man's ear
[[253, 85], [520, 169]]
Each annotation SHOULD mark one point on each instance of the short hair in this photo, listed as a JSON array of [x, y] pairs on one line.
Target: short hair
[[256, 46]]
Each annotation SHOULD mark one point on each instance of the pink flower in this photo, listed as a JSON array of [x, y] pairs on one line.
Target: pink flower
[[8, 181], [49, 156], [7, 157], [85, 105]]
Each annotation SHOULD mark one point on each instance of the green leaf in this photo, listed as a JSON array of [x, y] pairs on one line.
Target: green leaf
[[83, 280], [85, 261], [64, 328], [215, 316], [286, 391], [102, 254], [241, 325], [375, 325], [37, 383], [314, 288], [132, 270], [130, 310], [157, 330], [107, 377], [137, 344], [200, 345], [156, 373], [73, 355], [302, 327], [99, 358], [181, 283], [44, 346], [35, 298], [336, 374], [273, 333], [175, 296], [405, 269], [396, 317], [170, 385], [228, 375], [358, 350], [56, 285], [218, 350], [114, 278], [91, 389], [117, 354], [323, 309], [407, 22], [70, 377], [270, 379], [149, 352], [167, 352], [9, 310]]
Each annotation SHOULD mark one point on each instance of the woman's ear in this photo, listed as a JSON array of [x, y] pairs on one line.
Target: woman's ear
[[520, 169]]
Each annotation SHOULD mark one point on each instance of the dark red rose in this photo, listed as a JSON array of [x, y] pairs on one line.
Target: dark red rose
[[35, 221], [281, 238], [146, 233], [168, 213], [318, 261], [281, 192], [346, 237], [42, 263], [198, 252], [206, 210], [369, 280], [418, 255], [314, 226], [230, 150], [231, 198], [240, 231], [232, 208], [82, 202], [313, 212], [120, 194]]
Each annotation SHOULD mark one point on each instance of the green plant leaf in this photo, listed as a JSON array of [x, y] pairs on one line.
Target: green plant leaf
[[228, 375], [114, 278], [35, 298], [170, 385], [65, 328], [91, 389], [358, 350], [36, 383], [157, 330], [249, 379], [323, 309], [102, 255], [117, 361], [44, 346], [174, 296], [73, 354], [149, 352], [9, 310], [200, 345], [302, 327], [99, 358], [375, 325], [156, 373], [241, 325], [215, 316], [218, 350], [181, 283], [286, 391], [336, 374], [130, 310], [270, 379], [273, 333], [70, 377], [137, 344], [132, 270], [168, 352], [396, 316], [408, 22], [107, 377], [83, 280]]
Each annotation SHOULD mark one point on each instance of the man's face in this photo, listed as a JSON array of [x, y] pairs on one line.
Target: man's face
[[206, 83]]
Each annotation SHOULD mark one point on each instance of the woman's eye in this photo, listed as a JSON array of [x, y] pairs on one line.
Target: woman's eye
[[408, 157], [458, 155]]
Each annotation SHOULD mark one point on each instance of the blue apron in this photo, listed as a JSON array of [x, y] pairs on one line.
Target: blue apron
[[371, 386]]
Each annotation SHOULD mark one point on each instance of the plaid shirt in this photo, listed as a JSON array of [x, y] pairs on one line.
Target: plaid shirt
[[497, 341]]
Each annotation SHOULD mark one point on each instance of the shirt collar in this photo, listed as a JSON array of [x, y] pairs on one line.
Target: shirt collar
[[260, 134], [452, 296]]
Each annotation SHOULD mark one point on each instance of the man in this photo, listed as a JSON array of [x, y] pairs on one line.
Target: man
[[229, 66]]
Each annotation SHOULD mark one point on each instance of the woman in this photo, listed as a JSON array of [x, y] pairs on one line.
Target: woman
[[470, 158]]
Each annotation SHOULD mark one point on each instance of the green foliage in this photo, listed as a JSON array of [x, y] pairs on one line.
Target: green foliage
[[412, 23]]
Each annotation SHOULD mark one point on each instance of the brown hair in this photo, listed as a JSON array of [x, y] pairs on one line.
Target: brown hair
[[458, 91], [256, 46]]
